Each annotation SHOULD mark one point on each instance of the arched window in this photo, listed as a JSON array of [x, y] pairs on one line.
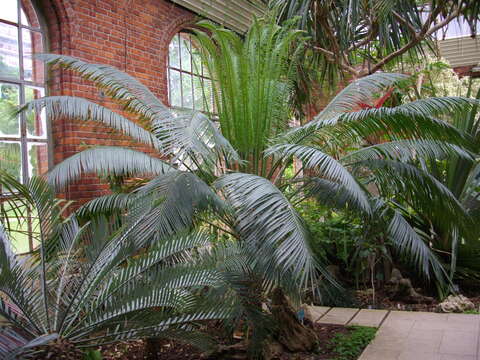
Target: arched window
[[189, 84], [23, 140]]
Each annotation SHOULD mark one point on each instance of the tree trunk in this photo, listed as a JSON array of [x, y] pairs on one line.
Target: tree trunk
[[290, 332]]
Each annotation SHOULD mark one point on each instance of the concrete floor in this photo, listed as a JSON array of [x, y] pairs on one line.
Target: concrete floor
[[406, 335]]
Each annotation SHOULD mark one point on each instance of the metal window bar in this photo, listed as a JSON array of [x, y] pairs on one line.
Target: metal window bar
[[22, 83], [184, 72]]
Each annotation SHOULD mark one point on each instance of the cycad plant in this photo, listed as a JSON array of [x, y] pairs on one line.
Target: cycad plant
[[461, 176], [244, 158], [88, 285]]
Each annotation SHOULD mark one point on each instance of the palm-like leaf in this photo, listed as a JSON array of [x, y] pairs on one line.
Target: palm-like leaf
[[252, 82], [265, 220], [69, 107], [408, 150], [326, 166], [362, 91], [107, 160], [86, 290], [408, 241]]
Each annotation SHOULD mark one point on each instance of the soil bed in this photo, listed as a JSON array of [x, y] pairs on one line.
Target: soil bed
[[171, 350], [382, 301]]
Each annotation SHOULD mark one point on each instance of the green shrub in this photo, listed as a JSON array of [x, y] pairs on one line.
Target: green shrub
[[350, 346]]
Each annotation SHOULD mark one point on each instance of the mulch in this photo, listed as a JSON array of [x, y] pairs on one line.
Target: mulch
[[382, 301], [172, 350]]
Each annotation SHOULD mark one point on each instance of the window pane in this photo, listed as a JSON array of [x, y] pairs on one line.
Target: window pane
[[11, 158], [198, 93], [19, 229], [175, 88], [187, 91], [9, 98], [9, 51], [9, 10], [33, 70], [23, 18], [185, 53], [174, 53], [37, 159], [197, 61], [36, 123]]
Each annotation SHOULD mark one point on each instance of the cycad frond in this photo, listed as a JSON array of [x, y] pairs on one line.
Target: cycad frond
[[16, 281], [79, 109], [361, 91], [133, 95], [448, 105], [392, 123], [407, 241], [269, 225], [408, 150], [325, 166], [252, 83], [107, 160], [177, 197], [421, 191], [194, 138], [333, 194]]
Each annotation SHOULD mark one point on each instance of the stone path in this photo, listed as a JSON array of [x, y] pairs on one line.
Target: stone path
[[404, 335]]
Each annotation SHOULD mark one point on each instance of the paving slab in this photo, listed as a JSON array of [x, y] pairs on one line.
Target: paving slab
[[318, 311], [338, 316], [406, 335], [426, 336], [367, 317]]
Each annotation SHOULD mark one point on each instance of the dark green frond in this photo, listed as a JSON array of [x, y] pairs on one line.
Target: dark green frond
[[361, 91], [410, 242], [325, 166]]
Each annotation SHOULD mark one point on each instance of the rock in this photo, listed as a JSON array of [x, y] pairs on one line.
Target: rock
[[395, 276], [455, 304], [401, 289]]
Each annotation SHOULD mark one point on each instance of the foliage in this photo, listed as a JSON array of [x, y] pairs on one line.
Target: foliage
[[351, 39], [350, 346], [433, 76], [231, 178], [408, 131], [334, 235], [89, 285], [457, 174], [252, 84], [472, 312]]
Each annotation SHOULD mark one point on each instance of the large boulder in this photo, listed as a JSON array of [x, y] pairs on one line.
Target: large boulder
[[456, 304]]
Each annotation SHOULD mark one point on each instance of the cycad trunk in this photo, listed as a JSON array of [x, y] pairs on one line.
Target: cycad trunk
[[292, 334], [59, 349]]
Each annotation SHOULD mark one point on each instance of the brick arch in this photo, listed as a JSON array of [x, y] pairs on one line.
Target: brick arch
[[58, 15], [181, 22]]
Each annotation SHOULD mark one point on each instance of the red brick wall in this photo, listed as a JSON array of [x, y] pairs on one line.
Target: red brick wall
[[132, 35]]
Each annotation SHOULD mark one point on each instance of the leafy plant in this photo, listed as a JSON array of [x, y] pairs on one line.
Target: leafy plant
[[352, 39], [350, 346], [88, 285], [231, 177]]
